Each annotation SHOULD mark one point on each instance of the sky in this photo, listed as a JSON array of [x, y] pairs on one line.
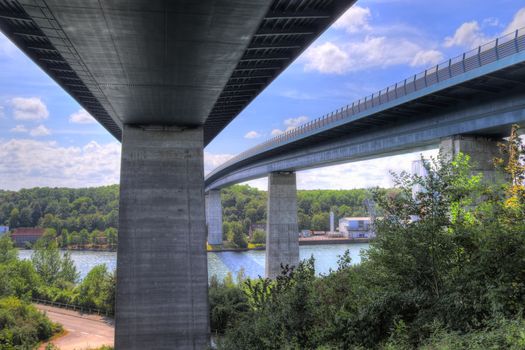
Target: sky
[[47, 139]]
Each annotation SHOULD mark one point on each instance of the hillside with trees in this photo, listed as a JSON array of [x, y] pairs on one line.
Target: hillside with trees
[[88, 217]]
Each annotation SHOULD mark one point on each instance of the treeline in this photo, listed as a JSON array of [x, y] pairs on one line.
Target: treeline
[[247, 205], [88, 217], [447, 271], [73, 210]]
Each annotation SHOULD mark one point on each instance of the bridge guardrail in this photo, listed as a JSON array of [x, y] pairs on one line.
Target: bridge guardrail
[[492, 51], [71, 307]]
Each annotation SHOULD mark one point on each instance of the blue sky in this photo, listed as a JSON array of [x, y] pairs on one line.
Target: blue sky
[[46, 139]]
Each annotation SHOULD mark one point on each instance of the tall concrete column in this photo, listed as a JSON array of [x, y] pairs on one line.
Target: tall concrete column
[[481, 150], [282, 231], [162, 276], [214, 217]]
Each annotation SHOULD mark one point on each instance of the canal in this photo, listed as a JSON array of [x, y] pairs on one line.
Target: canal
[[220, 263]]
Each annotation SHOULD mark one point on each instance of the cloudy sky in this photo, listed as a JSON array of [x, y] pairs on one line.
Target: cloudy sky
[[47, 139]]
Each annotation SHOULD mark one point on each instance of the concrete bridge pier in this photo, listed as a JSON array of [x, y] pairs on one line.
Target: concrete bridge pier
[[482, 151], [214, 217], [162, 278], [282, 240]]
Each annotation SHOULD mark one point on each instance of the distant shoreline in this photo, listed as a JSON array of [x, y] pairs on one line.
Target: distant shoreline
[[302, 241]]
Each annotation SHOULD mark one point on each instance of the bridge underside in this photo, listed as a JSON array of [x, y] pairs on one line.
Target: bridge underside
[[486, 103], [153, 62], [491, 119]]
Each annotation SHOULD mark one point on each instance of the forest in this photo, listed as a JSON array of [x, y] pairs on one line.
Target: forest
[[88, 217]]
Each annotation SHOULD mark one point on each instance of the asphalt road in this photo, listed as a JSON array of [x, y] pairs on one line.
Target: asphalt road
[[83, 331]]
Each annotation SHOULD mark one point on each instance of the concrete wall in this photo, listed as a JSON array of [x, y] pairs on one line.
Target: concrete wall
[[481, 150], [282, 230], [214, 217], [162, 276]]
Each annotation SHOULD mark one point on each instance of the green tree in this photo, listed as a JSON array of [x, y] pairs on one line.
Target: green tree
[[97, 289], [8, 252], [238, 236]]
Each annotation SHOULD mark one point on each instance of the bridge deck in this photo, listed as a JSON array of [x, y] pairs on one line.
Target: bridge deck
[[490, 70]]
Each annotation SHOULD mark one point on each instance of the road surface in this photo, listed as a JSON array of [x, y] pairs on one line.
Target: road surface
[[82, 331]]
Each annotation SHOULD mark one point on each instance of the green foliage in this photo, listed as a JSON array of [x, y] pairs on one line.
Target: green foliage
[[64, 210], [8, 252], [22, 326], [227, 302], [259, 237], [55, 270], [447, 271], [97, 290]]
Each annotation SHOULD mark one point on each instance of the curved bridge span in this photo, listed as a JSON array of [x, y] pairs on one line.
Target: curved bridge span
[[481, 93]]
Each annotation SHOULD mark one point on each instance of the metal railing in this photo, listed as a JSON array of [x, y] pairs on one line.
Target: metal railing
[[502, 47], [74, 307]]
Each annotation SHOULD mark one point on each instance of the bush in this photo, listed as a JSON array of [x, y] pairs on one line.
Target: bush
[[22, 326]]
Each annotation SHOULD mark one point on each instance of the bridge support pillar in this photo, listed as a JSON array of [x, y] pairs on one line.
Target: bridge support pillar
[[482, 151], [214, 217], [162, 278], [282, 238]]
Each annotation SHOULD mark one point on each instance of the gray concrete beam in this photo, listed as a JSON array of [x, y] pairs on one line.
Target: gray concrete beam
[[162, 277], [214, 217], [282, 239]]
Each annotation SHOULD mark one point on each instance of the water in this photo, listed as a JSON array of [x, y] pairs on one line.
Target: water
[[220, 263]]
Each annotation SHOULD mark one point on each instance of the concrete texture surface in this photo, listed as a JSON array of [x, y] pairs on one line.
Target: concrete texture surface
[[282, 239], [162, 278], [214, 217], [481, 150]]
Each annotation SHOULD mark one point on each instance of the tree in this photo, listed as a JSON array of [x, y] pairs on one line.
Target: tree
[[321, 222], [14, 218], [237, 234], [259, 237], [97, 290], [8, 252], [54, 269], [47, 261]]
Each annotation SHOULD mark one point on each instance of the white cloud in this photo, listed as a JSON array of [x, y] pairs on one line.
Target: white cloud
[[327, 58], [290, 123], [40, 130], [212, 160], [276, 132], [28, 163], [354, 20], [518, 21], [427, 58], [252, 135], [295, 122], [296, 95], [370, 46], [19, 128], [468, 35], [372, 51], [491, 21], [31, 108], [81, 117]]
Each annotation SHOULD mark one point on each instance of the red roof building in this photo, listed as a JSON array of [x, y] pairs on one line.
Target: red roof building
[[23, 235]]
